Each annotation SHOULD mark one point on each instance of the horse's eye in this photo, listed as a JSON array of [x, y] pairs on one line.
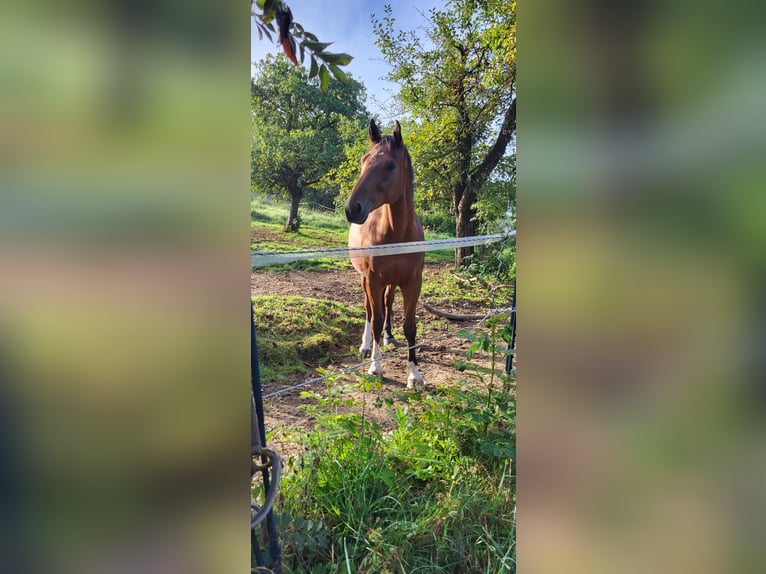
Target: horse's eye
[[390, 166]]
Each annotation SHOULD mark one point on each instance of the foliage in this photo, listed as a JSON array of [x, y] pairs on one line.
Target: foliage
[[498, 259], [438, 220], [296, 138], [498, 199], [288, 31], [459, 84], [436, 493]]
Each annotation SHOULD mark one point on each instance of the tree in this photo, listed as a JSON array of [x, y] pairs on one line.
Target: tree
[[296, 138], [459, 83]]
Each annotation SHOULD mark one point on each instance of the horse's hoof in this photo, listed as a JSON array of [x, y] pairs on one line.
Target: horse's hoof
[[375, 371], [414, 384], [388, 341], [366, 353], [414, 378]]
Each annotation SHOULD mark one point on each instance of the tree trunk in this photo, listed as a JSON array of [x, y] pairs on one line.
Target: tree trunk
[[465, 225], [464, 193], [293, 222]]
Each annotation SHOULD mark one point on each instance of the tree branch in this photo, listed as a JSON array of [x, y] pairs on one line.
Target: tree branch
[[482, 171], [451, 316]]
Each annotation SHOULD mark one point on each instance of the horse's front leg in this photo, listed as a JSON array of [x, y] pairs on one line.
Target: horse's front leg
[[375, 295], [366, 347], [388, 337]]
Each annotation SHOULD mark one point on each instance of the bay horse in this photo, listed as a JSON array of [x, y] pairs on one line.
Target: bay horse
[[381, 210]]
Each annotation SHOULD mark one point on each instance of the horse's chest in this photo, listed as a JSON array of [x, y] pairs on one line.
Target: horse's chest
[[393, 269]]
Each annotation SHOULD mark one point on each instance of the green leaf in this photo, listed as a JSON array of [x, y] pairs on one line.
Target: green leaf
[[338, 73], [337, 59], [387, 476], [269, 11], [315, 46], [314, 68], [265, 30], [324, 77]]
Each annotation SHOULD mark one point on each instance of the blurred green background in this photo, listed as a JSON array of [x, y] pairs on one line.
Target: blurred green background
[[642, 220], [124, 235]]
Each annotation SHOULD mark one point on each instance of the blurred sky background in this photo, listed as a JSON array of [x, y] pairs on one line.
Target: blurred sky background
[[347, 23]]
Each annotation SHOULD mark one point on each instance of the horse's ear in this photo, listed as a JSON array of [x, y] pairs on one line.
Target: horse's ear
[[373, 131], [397, 133]]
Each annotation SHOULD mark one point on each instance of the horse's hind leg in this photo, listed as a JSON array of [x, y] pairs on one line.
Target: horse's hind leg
[[388, 338], [410, 295], [366, 347]]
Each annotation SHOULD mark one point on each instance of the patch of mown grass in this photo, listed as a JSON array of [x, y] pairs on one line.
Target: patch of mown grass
[[318, 230], [275, 214], [435, 494], [294, 332], [441, 256]]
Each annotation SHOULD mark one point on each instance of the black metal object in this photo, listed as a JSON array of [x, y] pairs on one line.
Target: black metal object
[[268, 530], [512, 346]]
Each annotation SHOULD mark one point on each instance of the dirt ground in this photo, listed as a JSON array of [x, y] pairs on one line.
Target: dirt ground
[[436, 358]]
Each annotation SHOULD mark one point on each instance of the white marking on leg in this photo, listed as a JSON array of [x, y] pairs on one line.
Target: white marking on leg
[[375, 367], [366, 338], [414, 378]]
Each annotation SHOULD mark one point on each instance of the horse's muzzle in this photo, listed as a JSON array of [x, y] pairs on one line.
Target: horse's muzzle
[[356, 213]]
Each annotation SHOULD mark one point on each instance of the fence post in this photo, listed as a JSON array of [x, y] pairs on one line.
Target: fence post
[[512, 346]]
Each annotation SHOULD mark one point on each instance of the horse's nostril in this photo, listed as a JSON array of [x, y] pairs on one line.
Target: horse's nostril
[[353, 210]]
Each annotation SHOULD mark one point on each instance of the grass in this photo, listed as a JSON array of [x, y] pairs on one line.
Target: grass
[[449, 286], [435, 494], [294, 332]]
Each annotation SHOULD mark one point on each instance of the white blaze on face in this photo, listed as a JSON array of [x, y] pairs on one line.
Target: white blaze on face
[[366, 338], [375, 367], [414, 378]]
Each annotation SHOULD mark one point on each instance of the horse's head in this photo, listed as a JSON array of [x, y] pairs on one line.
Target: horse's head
[[386, 175]]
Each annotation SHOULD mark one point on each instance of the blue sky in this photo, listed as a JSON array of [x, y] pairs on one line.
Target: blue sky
[[347, 24]]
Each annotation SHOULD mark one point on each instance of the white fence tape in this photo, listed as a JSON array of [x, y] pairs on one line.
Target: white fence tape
[[263, 258]]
